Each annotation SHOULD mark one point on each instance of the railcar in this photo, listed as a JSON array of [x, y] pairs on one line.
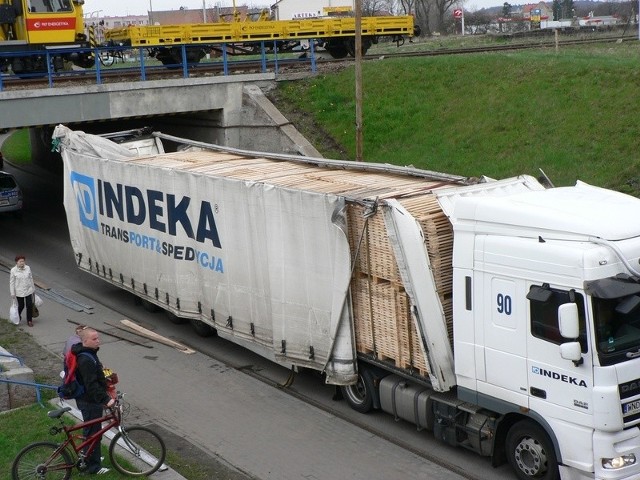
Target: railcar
[[36, 35]]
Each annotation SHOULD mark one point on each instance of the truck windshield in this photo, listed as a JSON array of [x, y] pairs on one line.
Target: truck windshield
[[617, 327], [42, 6], [616, 315]]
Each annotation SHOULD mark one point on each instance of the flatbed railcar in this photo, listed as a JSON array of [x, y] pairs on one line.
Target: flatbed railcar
[[335, 35]]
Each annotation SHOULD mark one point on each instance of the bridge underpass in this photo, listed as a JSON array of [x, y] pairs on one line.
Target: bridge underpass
[[229, 111]]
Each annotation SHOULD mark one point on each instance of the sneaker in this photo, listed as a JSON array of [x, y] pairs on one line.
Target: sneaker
[[102, 471]]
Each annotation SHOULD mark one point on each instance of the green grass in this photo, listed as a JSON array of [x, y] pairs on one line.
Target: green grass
[[571, 113], [22, 426], [17, 147]]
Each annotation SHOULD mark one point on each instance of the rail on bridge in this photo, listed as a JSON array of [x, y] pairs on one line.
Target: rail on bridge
[[122, 63]]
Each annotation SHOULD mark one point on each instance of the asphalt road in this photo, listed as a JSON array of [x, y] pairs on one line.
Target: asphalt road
[[224, 401]]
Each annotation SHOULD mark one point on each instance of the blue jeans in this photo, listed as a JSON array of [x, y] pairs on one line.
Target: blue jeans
[[91, 411]]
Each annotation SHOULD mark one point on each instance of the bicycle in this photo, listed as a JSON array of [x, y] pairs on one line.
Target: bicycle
[[135, 451]]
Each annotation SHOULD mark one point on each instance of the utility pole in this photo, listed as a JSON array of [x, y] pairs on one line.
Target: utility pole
[[358, 72]]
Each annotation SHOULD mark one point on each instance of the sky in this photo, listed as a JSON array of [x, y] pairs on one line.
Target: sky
[[99, 8]]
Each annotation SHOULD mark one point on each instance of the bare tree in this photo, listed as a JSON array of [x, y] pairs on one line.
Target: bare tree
[[371, 8], [407, 6], [423, 15], [479, 22], [442, 7]]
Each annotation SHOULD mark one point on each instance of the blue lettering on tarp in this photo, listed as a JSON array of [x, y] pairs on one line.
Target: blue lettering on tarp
[[176, 252], [136, 209], [177, 213], [85, 192], [161, 212]]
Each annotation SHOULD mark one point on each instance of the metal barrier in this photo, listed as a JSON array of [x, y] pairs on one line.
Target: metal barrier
[[37, 386], [116, 58], [8, 355]]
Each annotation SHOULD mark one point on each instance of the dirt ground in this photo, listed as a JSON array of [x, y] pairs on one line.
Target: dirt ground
[[46, 365]]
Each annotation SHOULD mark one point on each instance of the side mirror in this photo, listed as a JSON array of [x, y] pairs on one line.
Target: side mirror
[[568, 321], [571, 351]]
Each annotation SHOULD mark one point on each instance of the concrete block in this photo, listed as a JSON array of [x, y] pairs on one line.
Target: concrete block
[[14, 395], [7, 360]]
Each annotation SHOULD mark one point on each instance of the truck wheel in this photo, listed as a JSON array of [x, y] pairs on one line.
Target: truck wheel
[[203, 329], [531, 453], [360, 395], [149, 307], [173, 318]]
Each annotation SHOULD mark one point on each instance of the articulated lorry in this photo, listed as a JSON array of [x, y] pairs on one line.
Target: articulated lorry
[[501, 315]]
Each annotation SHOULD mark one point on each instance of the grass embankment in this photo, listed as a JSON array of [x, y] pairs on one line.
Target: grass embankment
[[17, 147], [571, 113]]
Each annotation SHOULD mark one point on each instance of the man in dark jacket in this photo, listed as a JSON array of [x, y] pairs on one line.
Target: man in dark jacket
[[95, 398]]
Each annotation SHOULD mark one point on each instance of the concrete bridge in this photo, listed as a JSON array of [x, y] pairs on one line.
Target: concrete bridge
[[226, 110]]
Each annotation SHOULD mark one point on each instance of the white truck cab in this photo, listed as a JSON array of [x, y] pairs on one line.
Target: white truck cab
[[523, 262]]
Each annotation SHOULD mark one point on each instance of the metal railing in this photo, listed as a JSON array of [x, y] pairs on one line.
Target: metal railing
[[37, 386], [127, 59], [8, 355]]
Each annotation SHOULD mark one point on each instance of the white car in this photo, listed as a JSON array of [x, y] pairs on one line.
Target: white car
[[10, 193]]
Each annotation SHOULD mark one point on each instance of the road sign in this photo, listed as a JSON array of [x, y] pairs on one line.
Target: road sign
[[457, 13]]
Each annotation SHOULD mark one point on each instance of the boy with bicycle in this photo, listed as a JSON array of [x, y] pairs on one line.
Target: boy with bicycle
[[95, 397]]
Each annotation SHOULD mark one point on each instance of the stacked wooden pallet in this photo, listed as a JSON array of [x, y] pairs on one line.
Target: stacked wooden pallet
[[383, 322]]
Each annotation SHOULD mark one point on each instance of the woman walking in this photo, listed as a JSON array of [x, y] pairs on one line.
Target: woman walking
[[22, 287]]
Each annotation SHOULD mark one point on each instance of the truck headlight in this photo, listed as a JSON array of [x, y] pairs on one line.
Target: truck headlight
[[618, 462]]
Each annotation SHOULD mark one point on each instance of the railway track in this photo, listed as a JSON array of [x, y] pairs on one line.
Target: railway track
[[281, 67], [515, 46]]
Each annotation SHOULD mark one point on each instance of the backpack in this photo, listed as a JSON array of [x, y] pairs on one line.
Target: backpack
[[71, 388]]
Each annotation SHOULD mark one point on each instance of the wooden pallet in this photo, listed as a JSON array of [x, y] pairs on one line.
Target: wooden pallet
[[384, 325]]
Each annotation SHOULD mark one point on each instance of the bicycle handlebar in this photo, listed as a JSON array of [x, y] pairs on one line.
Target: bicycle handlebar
[[117, 404]]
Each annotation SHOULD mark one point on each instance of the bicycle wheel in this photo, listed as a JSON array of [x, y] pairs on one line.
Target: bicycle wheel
[[137, 451], [35, 462]]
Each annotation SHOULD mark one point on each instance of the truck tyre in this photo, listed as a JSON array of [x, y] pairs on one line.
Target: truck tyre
[[360, 396], [173, 318], [203, 329], [149, 307], [531, 453]]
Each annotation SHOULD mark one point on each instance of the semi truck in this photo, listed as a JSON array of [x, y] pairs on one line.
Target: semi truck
[[501, 315]]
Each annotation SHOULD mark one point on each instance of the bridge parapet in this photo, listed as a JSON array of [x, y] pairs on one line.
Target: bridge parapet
[[93, 103]]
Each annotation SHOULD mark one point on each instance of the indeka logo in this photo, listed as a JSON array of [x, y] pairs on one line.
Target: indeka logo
[[84, 189], [558, 376], [98, 201]]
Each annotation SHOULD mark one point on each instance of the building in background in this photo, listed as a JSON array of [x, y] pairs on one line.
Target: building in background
[[202, 15]]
